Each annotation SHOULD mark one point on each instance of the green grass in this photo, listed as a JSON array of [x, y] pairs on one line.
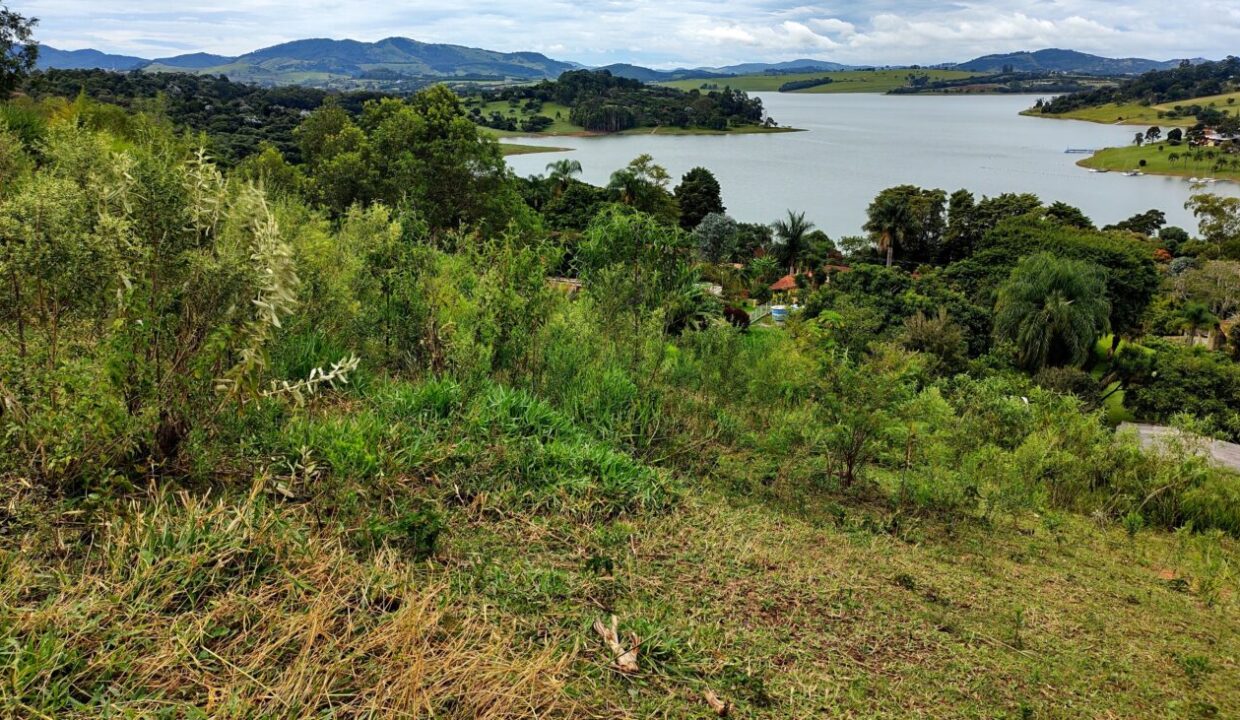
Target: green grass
[[849, 81], [1113, 409], [1113, 114], [560, 126], [1158, 161], [1146, 115], [282, 607], [515, 149]]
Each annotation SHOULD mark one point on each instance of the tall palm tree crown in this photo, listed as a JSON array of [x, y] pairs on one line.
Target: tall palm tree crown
[[1053, 310], [791, 233]]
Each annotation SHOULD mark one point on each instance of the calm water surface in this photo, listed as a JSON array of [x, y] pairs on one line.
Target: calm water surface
[[856, 145]]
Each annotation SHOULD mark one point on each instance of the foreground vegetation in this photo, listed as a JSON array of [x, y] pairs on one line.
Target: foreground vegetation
[[320, 438]]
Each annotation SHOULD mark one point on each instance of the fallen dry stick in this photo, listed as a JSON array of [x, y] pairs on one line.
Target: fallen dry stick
[[720, 707], [625, 659]]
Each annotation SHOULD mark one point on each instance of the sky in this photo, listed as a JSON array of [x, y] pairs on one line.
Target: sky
[[658, 33]]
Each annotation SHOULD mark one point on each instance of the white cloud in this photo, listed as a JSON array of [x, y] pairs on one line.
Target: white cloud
[[660, 33]]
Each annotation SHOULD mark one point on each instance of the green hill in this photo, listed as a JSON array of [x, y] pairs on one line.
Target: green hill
[[345, 64], [1070, 61]]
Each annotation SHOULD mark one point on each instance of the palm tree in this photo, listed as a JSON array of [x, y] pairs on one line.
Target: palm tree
[[1053, 309], [562, 171], [1193, 317], [791, 233], [625, 185], [889, 223]]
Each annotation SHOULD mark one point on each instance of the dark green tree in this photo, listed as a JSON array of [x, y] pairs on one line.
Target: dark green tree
[[18, 50], [699, 195], [1069, 215], [791, 239], [910, 218], [1053, 310]]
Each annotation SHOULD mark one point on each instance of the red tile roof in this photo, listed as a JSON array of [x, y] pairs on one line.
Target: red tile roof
[[787, 282]]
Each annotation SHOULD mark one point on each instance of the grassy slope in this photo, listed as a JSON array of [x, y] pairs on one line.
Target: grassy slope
[[561, 126], [1157, 161], [516, 149], [258, 601], [851, 81], [1134, 114]]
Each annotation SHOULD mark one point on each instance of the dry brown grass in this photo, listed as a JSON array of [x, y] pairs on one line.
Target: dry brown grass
[[238, 611]]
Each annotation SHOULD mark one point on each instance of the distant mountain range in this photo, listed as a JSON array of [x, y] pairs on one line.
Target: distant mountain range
[[345, 63], [647, 75], [1068, 61], [328, 62], [787, 66], [50, 57]]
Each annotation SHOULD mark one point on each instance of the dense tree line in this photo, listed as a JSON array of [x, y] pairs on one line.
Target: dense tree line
[[237, 118], [1002, 83], [794, 85], [1159, 87], [600, 101]]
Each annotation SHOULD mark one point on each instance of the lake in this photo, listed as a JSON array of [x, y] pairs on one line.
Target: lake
[[856, 145]]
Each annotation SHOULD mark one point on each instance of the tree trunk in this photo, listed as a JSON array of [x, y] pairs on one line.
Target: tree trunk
[[891, 251]]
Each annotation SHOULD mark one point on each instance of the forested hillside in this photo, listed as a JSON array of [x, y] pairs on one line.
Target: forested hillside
[[237, 119], [1186, 82], [365, 426], [602, 102]]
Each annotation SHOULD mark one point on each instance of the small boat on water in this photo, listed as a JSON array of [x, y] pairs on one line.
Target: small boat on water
[[1195, 180], [1133, 173]]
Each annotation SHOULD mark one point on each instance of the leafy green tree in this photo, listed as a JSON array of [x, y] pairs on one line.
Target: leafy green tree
[[969, 221], [1218, 221], [791, 235], [326, 132], [1147, 223], [18, 50], [269, 169], [1172, 237], [1053, 310], [909, 218], [427, 154], [819, 249], [698, 195], [1175, 380], [1132, 276], [632, 266], [642, 184], [939, 337], [751, 237], [1069, 215], [1195, 316], [1215, 284], [576, 207], [58, 265], [716, 237]]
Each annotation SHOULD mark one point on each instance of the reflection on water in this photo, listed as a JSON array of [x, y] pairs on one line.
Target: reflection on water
[[856, 145]]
